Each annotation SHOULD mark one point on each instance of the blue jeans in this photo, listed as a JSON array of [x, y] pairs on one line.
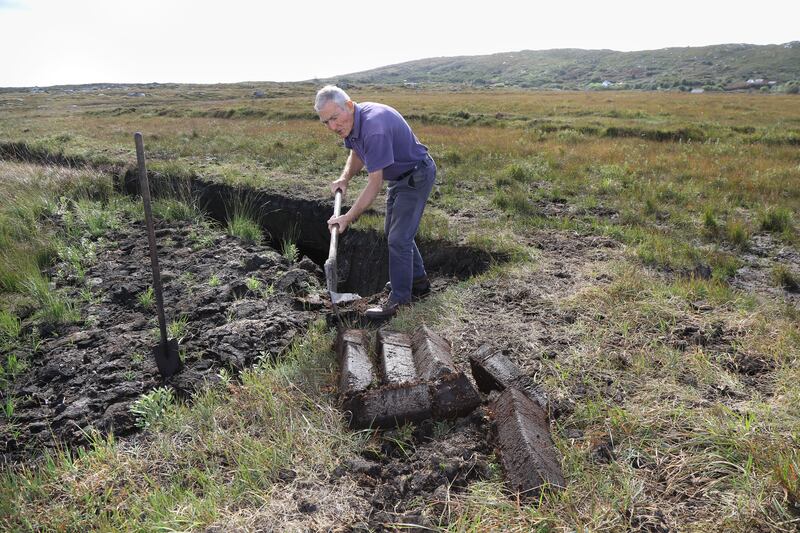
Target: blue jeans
[[405, 202]]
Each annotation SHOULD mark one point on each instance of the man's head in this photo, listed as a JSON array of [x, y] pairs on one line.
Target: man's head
[[335, 110]]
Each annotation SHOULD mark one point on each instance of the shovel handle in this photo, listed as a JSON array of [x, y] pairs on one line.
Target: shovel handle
[[337, 210], [144, 186]]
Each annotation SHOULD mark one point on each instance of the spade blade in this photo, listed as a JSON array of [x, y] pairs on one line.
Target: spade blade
[[167, 358]]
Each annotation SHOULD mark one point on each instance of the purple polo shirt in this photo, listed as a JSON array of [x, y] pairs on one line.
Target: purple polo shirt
[[383, 140]]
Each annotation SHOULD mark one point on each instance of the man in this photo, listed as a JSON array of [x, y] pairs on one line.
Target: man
[[381, 141]]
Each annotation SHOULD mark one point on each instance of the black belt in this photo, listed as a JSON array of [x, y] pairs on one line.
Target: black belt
[[410, 171]]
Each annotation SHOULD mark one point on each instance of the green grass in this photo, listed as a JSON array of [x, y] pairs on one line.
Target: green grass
[[54, 309], [290, 252], [150, 407], [245, 228], [221, 454], [175, 210], [178, 328], [784, 277], [9, 324], [253, 284], [146, 298], [776, 220], [737, 233]]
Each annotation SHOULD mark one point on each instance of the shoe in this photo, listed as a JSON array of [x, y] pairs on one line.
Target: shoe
[[385, 310], [419, 287]]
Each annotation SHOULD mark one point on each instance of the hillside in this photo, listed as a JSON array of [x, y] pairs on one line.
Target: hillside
[[724, 66]]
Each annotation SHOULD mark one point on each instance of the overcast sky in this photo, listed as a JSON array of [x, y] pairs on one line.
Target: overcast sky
[[49, 42]]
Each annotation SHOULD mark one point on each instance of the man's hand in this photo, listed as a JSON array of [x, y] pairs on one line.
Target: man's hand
[[341, 183], [343, 221]]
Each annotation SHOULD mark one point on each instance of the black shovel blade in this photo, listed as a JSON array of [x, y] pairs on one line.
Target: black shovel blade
[[167, 358]]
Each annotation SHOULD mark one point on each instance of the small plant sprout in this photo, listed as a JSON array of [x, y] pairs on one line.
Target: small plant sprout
[[14, 366], [290, 251], [177, 328], [146, 298], [224, 377], [86, 295], [214, 281], [187, 278], [289, 248], [150, 407], [269, 290], [403, 438], [738, 234], [201, 239], [253, 284], [8, 407]]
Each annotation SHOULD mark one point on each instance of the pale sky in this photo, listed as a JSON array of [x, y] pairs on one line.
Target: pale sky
[[50, 42]]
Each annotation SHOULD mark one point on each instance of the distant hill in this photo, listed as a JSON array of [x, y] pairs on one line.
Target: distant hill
[[717, 67]]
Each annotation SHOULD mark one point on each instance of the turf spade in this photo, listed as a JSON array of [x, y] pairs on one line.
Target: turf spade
[[166, 352], [331, 273]]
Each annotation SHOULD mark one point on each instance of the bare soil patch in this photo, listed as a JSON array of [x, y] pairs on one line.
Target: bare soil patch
[[238, 302]]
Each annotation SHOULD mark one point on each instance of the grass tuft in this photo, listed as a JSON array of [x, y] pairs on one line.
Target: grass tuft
[[784, 277], [151, 407], [737, 233], [175, 210], [9, 324], [245, 228], [776, 219], [146, 298]]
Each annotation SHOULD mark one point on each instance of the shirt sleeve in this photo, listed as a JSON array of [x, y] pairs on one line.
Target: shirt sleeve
[[378, 151]]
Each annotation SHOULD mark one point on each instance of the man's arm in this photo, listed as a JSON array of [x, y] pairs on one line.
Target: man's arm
[[351, 168], [364, 200]]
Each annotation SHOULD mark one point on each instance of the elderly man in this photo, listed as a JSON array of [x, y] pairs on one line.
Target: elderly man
[[381, 140]]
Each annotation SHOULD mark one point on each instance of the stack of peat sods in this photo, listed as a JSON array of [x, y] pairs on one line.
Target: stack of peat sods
[[413, 378]]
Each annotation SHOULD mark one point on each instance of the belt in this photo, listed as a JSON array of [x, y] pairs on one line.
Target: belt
[[410, 171]]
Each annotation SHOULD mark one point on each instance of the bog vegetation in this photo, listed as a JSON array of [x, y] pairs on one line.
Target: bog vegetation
[[696, 187]]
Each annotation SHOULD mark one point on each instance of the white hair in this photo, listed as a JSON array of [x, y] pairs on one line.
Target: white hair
[[330, 93]]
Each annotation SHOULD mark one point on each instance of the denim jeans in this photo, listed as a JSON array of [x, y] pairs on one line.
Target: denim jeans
[[405, 202]]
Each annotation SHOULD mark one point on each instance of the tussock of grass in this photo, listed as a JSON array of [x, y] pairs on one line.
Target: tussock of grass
[[172, 209], [737, 233], [515, 199], [245, 228], [710, 224], [146, 298], [785, 278], [242, 219], [53, 308], [776, 220]]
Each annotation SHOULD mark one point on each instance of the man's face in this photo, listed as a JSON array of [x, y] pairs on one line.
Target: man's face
[[338, 120]]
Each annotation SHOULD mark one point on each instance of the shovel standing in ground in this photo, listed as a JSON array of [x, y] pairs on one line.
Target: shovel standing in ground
[[166, 352], [331, 272]]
